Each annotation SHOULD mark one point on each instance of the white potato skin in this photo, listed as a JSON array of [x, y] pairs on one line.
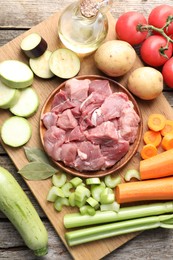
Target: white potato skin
[[145, 83], [115, 58]]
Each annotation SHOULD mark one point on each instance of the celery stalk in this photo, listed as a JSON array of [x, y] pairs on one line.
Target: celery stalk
[[85, 235], [131, 212]]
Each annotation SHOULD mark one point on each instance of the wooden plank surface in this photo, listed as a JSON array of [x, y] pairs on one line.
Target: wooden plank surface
[[57, 248]]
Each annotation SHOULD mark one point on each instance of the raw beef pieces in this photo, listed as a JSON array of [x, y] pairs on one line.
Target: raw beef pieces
[[89, 127]]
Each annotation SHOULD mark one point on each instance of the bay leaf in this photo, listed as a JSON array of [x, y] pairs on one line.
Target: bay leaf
[[36, 155], [37, 171]]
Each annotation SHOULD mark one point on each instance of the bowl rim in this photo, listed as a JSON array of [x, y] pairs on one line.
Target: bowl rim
[[118, 165]]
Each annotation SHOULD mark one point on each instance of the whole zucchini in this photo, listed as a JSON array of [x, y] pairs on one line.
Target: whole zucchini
[[15, 204]]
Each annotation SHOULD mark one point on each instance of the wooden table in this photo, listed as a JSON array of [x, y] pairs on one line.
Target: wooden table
[[16, 16]]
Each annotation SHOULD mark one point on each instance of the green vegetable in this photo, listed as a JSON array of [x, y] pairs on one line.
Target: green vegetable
[[27, 103], [8, 96], [66, 189], [64, 63], [86, 209], [17, 207], [16, 131], [114, 206], [59, 202], [16, 74], [112, 182], [54, 193], [90, 181], [114, 229], [37, 171], [76, 181], [130, 212], [59, 179], [132, 173]]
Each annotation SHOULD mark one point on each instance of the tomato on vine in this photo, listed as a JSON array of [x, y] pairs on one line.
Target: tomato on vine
[[128, 27], [155, 50], [167, 72], [159, 15]]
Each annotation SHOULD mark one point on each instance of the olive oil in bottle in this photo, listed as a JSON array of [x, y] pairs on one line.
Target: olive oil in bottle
[[83, 25]]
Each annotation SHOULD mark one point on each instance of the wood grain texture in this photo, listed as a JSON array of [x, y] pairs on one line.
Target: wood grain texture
[[16, 17]]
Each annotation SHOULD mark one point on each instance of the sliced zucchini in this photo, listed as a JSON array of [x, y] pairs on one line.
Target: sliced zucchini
[[64, 63], [8, 96], [27, 103], [40, 65], [16, 74], [33, 45], [16, 131]]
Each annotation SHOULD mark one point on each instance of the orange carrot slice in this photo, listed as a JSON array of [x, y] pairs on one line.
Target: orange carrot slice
[[159, 189], [160, 165], [167, 142], [148, 151], [152, 137], [168, 128], [156, 122]]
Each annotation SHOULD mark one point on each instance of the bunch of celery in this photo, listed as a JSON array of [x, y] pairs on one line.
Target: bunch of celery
[[126, 220]]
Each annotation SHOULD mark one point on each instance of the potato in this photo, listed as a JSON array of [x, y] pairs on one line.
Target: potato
[[145, 83], [115, 58]]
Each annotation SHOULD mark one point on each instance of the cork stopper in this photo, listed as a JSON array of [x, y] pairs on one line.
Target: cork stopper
[[90, 8]]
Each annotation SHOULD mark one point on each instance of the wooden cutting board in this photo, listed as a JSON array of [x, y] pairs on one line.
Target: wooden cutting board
[[48, 29]]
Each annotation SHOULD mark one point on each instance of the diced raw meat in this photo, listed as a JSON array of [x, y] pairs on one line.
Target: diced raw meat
[[53, 135], [93, 101], [105, 134], [59, 98], [114, 153], [112, 106], [49, 119], [67, 104], [68, 153], [89, 157], [75, 135], [66, 120], [77, 89], [100, 86], [128, 124]]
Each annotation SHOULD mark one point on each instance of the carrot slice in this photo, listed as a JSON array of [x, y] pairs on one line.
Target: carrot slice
[[159, 189], [168, 128], [160, 165], [156, 122], [152, 137], [148, 151], [167, 141]]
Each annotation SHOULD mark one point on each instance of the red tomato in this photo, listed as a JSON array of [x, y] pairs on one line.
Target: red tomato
[[127, 27], [159, 15], [167, 73], [151, 50]]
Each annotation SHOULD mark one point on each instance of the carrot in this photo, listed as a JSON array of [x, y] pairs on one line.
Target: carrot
[[167, 141], [156, 122], [148, 151], [152, 137], [159, 189], [160, 165], [168, 128]]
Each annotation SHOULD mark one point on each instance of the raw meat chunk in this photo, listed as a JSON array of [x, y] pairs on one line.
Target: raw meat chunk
[[77, 89], [66, 120], [49, 119], [100, 86]]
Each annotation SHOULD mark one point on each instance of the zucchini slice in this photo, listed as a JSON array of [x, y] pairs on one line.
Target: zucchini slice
[[8, 96], [27, 103], [33, 45], [40, 65], [16, 74], [16, 131], [64, 63]]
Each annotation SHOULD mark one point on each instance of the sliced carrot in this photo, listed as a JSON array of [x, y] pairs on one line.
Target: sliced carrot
[[160, 165], [152, 137], [156, 122], [159, 189], [148, 151], [168, 128], [167, 142]]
